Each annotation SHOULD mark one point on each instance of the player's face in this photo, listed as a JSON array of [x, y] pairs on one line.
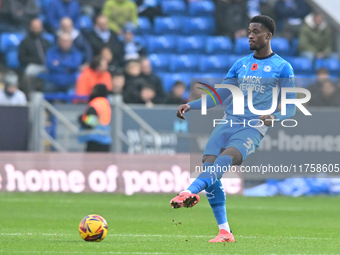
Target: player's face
[[258, 36]]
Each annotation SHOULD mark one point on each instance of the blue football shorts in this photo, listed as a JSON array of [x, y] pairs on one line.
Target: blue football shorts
[[245, 139]]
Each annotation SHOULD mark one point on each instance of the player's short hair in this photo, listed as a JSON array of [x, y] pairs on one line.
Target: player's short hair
[[266, 21]]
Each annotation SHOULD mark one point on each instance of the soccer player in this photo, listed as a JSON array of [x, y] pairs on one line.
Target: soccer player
[[229, 145]]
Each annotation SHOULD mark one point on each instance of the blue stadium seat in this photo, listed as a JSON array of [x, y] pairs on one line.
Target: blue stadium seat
[[184, 63], [173, 7], [140, 39], [49, 37], [161, 44], [169, 79], [301, 65], [144, 26], [167, 25], [160, 62], [201, 8], [331, 64], [217, 63], [86, 23], [219, 44], [10, 41], [281, 46], [242, 46], [12, 59], [305, 81], [191, 44], [199, 26], [295, 46]]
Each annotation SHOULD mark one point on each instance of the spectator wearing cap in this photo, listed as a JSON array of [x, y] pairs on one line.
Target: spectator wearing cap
[[95, 74], [132, 49], [79, 41], [63, 62], [101, 36], [10, 95], [119, 13], [16, 15], [59, 9], [32, 55], [152, 79]]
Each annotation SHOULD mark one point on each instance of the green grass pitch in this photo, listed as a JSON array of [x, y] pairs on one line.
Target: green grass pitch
[[47, 223]]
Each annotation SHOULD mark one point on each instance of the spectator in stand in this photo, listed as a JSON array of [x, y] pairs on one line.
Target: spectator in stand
[[232, 18], [149, 8], [63, 62], [32, 52], [119, 13], [290, 15], [95, 74], [118, 82], [329, 96], [147, 95], [95, 128], [316, 38], [59, 9], [113, 63], [79, 41], [322, 75], [152, 79], [101, 36], [133, 82], [94, 6], [16, 15], [177, 93], [10, 95], [132, 49]]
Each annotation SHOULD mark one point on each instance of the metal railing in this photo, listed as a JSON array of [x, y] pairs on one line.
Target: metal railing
[[41, 110]]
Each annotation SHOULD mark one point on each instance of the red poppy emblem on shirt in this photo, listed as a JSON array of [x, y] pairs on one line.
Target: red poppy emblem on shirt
[[254, 67]]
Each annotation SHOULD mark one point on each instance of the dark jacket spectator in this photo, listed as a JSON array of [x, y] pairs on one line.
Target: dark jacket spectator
[[113, 63], [290, 15], [177, 93], [329, 96], [322, 75], [59, 9], [63, 62], [101, 36], [133, 82], [16, 15], [152, 79], [149, 8], [79, 41], [33, 48], [232, 18], [316, 38]]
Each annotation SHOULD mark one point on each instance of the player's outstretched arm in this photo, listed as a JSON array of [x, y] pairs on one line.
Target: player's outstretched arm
[[183, 109]]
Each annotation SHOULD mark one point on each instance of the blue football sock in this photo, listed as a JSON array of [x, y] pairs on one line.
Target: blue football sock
[[208, 178], [216, 197]]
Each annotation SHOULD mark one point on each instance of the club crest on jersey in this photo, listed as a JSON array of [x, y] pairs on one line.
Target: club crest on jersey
[[267, 69], [254, 67]]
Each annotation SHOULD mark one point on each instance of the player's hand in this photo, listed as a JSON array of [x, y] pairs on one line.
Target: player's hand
[[268, 120], [182, 109]]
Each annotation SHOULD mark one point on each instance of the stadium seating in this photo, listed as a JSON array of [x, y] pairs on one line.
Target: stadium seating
[[191, 44], [184, 63], [49, 37], [168, 25], [169, 79], [332, 64], [160, 62], [161, 44], [198, 26], [141, 40], [173, 7], [304, 81], [12, 59], [219, 44], [281, 46], [201, 8], [242, 46], [217, 63], [301, 65], [10, 41], [144, 26], [86, 23]]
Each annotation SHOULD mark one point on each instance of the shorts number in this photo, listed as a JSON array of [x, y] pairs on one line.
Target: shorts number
[[249, 145]]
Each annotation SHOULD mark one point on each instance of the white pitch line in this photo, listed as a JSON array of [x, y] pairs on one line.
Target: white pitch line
[[92, 252], [172, 236]]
